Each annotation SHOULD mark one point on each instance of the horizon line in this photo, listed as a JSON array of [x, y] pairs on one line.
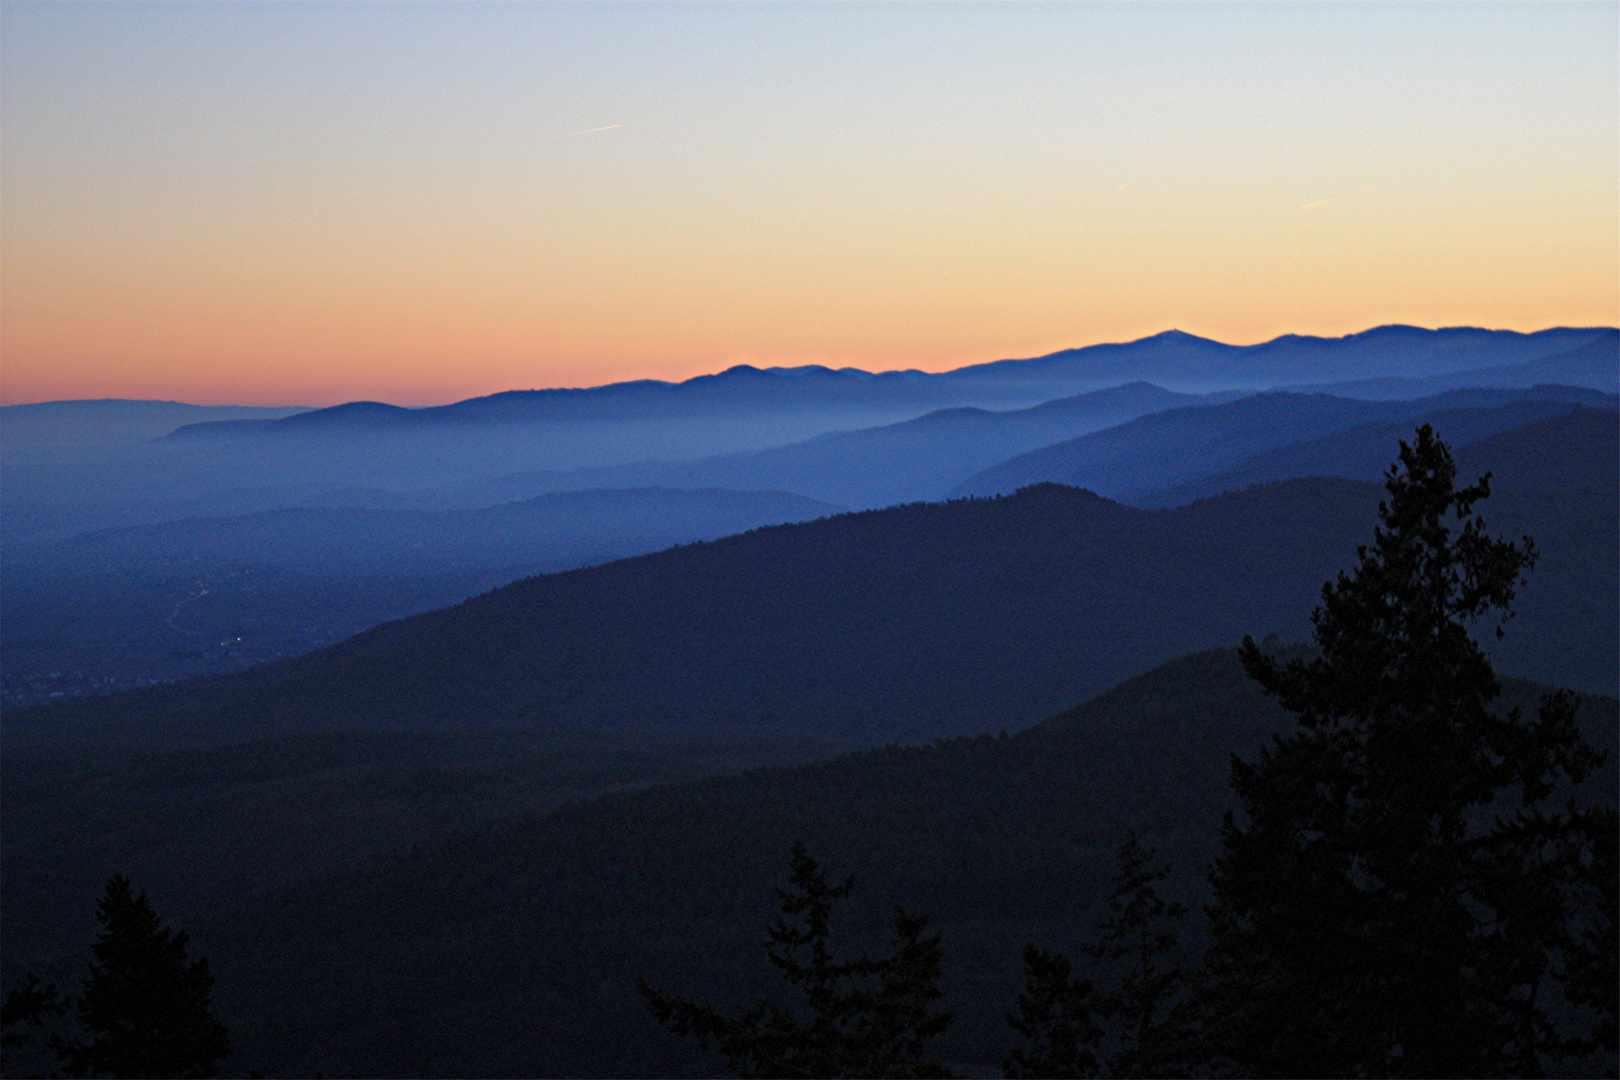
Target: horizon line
[[810, 367]]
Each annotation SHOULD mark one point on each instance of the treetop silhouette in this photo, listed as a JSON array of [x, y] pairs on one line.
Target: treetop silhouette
[[867, 1018], [1399, 890], [145, 1003]]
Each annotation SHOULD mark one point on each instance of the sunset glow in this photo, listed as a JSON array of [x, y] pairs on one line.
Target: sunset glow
[[306, 204]]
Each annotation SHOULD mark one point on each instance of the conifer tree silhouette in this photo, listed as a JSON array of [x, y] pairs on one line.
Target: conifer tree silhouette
[[1150, 1006], [867, 1018], [25, 1013], [1138, 939], [1395, 896], [1054, 1017], [145, 1003], [1590, 946]]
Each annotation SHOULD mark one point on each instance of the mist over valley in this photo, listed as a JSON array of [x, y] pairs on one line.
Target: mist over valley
[[519, 662]]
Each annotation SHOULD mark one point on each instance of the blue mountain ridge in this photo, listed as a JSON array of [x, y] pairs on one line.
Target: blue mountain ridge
[[1174, 359], [1180, 445]]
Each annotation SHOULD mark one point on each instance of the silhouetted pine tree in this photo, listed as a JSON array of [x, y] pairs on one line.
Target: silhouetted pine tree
[[1054, 1017], [26, 1012], [866, 1017], [1590, 947], [1151, 1008], [1393, 898], [1138, 939], [145, 1005]]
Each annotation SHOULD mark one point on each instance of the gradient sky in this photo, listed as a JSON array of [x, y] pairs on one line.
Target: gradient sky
[[308, 203]]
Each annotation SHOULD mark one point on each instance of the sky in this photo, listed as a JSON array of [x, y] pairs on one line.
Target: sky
[[418, 203]]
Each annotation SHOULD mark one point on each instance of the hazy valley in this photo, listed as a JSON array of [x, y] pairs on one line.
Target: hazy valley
[[435, 699]]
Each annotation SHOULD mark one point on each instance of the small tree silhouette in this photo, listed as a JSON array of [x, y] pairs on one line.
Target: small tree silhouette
[[868, 1018], [145, 1005], [27, 1011], [1054, 1017], [1138, 938], [1150, 1006]]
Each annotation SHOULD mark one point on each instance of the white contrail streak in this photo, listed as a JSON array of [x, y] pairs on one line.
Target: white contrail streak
[[587, 131]]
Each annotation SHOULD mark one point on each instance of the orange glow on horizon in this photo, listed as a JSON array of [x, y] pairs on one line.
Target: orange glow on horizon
[[309, 204], [438, 386]]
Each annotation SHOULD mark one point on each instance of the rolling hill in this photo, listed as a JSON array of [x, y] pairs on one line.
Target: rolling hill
[[205, 826], [541, 534], [513, 950], [1577, 451], [511, 947], [907, 623], [909, 461], [125, 607], [1177, 360], [1181, 445], [69, 467], [1541, 443], [89, 423], [1595, 364]]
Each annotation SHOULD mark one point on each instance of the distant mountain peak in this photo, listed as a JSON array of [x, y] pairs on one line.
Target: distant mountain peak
[[364, 408], [367, 413]]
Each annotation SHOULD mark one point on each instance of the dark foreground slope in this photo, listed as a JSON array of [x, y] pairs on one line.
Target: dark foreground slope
[[204, 826], [907, 623], [515, 950]]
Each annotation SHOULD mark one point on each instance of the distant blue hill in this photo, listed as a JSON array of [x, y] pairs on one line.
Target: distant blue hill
[[1595, 364], [551, 532], [1184, 361], [116, 420], [1547, 436], [1180, 446], [909, 461], [903, 624], [1175, 360], [1579, 450], [203, 595]]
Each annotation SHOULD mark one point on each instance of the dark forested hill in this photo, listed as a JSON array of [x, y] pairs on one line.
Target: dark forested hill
[[513, 947], [907, 623], [1579, 450], [1556, 439], [514, 950], [201, 826], [1183, 445]]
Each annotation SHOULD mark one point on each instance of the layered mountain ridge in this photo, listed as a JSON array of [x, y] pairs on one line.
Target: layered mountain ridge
[[1164, 449], [452, 843], [899, 624], [1175, 360]]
